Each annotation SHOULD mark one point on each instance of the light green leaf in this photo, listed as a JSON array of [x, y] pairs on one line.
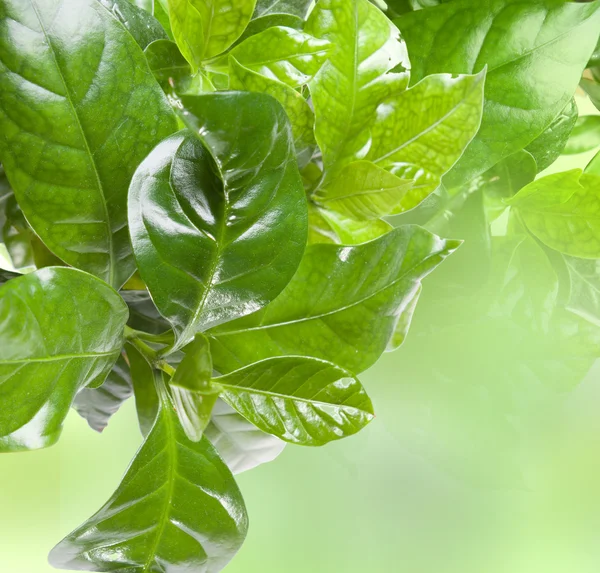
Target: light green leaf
[[535, 53], [421, 133], [547, 147], [60, 330], [262, 23], [342, 305], [364, 191], [562, 210], [299, 400], [401, 331], [177, 504], [301, 117], [75, 126], [319, 229], [279, 53], [585, 135], [350, 86], [170, 68], [296, 7], [219, 237], [351, 232], [241, 445], [188, 30], [592, 89], [584, 296], [593, 167], [98, 405]]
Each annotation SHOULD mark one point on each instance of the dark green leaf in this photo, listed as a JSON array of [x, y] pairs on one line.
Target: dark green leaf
[[342, 305], [98, 405], [547, 147], [562, 211], [212, 250], [177, 506], [585, 135], [143, 315], [79, 109], [296, 7], [241, 445], [168, 65], [60, 330], [300, 400], [146, 398], [535, 53]]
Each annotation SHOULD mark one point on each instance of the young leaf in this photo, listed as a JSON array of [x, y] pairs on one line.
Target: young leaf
[[547, 147], [241, 445], [364, 191], [168, 65], [290, 56], [60, 330], [351, 232], [75, 126], [421, 133], [562, 211], [299, 400], [295, 7], [177, 504], [585, 135], [212, 250], [193, 393], [299, 113], [188, 30], [98, 405], [350, 86], [535, 53], [342, 305]]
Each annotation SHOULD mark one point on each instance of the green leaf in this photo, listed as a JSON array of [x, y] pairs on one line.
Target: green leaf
[[364, 191], [527, 282], [168, 65], [241, 445], [592, 89], [296, 7], [584, 296], [213, 250], [188, 30], [98, 405], [299, 113], [299, 400], [562, 211], [60, 330], [146, 400], [401, 330], [351, 232], [585, 135], [547, 147], [350, 86], [593, 167], [262, 23], [193, 393], [342, 305], [535, 53], [319, 229], [139, 23], [15, 236], [420, 133], [178, 505], [290, 56], [75, 123], [143, 315]]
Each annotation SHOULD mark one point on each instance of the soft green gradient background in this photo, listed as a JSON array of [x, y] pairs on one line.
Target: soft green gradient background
[[443, 481]]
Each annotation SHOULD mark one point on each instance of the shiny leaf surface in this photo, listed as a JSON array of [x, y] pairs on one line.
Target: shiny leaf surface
[[352, 232], [342, 305], [98, 405], [79, 109], [299, 400], [188, 30], [241, 445], [44, 362], [177, 504], [211, 250], [146, 398], [295, 7], [535, 53]]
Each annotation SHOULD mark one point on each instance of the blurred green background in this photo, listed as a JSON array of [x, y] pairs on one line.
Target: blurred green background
[[481, 473]]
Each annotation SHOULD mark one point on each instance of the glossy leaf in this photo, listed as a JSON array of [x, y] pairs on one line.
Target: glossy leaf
[[299, 400], [296, 7], [143, 315], [146, 399], [342, 305], [562, 211], [298, 111], [350, 86], [44, 361], [291, 56], [209, 250], [98, 405], [585, 135], [262, 23], [319, 229], [170, 68], [364, 191], [420, 133], [352, 232], [70, 148], [142, 26], [241, 445], [535, 53], [547, 147], [177, 504]]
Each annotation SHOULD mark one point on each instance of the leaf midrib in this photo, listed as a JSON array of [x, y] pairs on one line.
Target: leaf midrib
[[59, 357]]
